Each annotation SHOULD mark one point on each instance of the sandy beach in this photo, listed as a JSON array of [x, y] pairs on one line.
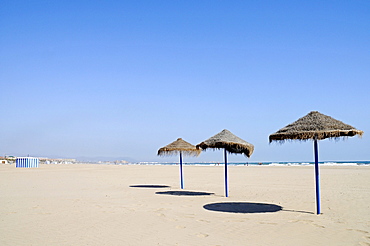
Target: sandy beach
[[84, 204]]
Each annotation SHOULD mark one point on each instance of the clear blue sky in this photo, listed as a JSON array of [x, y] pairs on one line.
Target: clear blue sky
[[124, 78]]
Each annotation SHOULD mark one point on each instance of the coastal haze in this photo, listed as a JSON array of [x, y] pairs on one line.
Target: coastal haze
[[123, 78]]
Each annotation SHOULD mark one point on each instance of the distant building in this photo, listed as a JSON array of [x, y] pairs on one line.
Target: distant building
[[46, 160], [121, 162]]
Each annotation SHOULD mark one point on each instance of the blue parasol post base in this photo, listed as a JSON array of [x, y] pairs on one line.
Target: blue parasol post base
[[317, 177], [181, 175], [226, 181]]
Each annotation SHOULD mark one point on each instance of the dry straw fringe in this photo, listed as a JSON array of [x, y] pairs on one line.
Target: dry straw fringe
[[233, 148], [315, 126], [169, 152], [310, 135], [226, 140], [177, 147]]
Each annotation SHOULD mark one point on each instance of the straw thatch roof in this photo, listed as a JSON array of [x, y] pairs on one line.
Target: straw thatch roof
[[178, 146], [226, 140], [314, 125]]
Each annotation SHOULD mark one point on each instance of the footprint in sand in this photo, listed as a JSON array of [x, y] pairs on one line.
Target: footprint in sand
[[364, 244], [203, 235], [268, 223], [307, 222], [366, 238], [362, 231], [320, 226], [293, 221], [180, 227], [238, 220], [207, 221]]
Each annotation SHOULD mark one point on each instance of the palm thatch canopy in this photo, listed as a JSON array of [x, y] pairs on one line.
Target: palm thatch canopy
[[226, 140], [178, 146], [315, 125]]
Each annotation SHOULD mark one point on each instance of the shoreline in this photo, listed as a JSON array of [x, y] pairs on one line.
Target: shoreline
[[321, 163]]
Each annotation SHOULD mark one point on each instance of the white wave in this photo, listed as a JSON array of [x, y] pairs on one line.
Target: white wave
[[338, 164]]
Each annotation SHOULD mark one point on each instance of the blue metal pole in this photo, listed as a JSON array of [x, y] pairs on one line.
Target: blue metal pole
[[181, 175], [317, 176], [226, 181]]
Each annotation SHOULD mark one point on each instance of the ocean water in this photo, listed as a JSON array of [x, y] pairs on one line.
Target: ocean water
[[323, 163]]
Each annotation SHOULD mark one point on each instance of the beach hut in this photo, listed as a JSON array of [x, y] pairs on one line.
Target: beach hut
[[315, 126], [230, 143], [27, 162], [180, 147]]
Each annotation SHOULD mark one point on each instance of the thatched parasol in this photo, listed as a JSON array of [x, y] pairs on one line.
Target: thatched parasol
[[229, 142], [315, 126], [180, 147]]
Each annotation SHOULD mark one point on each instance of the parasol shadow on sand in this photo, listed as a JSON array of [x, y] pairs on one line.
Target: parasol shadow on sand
[[242, 207], [315, 126], [150, 186], [230, 143], [248, 208], [184, 193], [180, 147]]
